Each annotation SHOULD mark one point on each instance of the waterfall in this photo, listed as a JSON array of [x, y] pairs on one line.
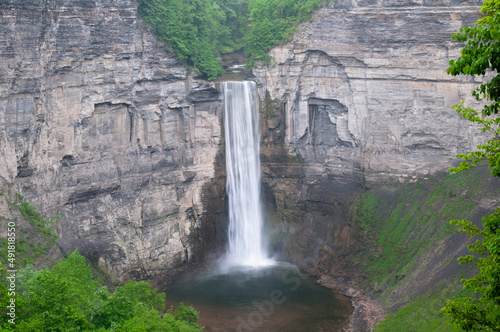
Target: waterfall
[[241, 124]]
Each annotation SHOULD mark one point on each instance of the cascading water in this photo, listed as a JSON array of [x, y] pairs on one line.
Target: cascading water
[[246, 245], [248, 291]]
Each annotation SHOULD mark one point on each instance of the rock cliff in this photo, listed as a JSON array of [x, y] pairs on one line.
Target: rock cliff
[[101, 124], [364, 87], [361, 97]]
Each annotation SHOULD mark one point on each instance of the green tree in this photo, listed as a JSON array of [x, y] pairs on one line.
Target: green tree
[[68, 298], [5, 300], [119, 306], [480, 56], [482, 311], [149, 320], [60, 299], [273, 22], [187, 314], [196, 30]]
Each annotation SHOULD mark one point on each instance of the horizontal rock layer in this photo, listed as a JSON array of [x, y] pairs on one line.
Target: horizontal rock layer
[[365, 89], [100, 123], [361, 98], [358, 98]]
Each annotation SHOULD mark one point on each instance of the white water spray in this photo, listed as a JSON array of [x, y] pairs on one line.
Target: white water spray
[[246, 220]]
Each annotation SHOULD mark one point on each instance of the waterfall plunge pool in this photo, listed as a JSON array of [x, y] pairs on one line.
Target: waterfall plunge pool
[[267, 299], [249, 291]]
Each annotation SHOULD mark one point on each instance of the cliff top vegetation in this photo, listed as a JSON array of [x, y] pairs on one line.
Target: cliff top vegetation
[[198, 31]]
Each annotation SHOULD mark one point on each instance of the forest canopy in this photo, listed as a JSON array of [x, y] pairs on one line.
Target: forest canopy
[[199, 31], [69, 298]]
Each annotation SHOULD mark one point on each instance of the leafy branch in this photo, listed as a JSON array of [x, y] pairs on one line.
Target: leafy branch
[[480, 55]]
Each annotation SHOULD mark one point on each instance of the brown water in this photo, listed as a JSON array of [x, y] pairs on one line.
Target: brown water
[[276, 298]]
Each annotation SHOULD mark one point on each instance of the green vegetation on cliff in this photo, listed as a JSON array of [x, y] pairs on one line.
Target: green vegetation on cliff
[[408, 237], [405, 236], [404, 221], [481, 54], [34, 239], [423, 312], [198, 31], [68, 298], [273, 22]]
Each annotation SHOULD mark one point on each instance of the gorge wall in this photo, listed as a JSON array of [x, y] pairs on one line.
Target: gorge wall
[[364, 87], [361, 97], [101, 124]]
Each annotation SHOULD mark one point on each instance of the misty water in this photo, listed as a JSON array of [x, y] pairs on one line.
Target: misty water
[[246, 245], [272, 299], [246, 289]]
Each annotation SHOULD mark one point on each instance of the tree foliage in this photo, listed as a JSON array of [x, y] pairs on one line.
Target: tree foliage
[[273, 22], [68, 298], [481, 312], [480, 56], [5, 300], [198, 31]]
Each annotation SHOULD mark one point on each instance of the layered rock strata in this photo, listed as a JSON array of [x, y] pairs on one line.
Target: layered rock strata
[[101, 124], [359, 98], [364, 88]]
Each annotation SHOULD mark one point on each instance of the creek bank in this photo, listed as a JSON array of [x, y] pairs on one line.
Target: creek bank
[[403, 247], [366, 310]]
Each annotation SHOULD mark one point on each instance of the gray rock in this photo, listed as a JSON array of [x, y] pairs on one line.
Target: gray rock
[[99, 122], [364, 100]]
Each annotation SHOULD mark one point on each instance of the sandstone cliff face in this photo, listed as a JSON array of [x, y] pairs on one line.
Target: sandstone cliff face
[[100, 123], [364, 87], [361, 97]]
